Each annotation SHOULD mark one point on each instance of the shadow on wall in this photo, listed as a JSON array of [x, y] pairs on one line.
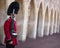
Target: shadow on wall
[[40, 21]]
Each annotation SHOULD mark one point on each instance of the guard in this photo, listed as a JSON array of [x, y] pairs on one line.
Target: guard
[[10, 28]]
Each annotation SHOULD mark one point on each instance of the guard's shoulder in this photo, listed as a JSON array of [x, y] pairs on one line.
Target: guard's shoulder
[[8, 20]]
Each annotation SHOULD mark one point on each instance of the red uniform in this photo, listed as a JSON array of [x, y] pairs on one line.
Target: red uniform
[[7, 32]]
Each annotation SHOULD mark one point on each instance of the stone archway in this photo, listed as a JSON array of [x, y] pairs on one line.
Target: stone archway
[[40, 20], [20, 20], [46, 22], [31, 19], [51, 19]]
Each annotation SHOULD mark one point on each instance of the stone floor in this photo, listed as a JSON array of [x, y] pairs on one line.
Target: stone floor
[[52, 41]]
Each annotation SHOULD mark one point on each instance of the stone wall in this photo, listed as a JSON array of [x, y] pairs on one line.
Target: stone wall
[[33, 18]]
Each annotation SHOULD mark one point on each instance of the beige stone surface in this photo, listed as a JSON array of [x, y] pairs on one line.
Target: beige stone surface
[[33, 17]]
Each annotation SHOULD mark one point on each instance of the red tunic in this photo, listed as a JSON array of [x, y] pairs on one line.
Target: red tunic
[[7, 32]]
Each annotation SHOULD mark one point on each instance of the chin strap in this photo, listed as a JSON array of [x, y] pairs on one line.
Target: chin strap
[[12, 32]]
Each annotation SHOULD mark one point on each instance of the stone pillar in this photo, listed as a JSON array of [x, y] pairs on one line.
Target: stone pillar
[[43, 24], [52, 24], [59, 23], [54, 27], [33, 35], [56, 24], [48, 24], [51, 18], [32, 22], [25, 22], [46, 21]]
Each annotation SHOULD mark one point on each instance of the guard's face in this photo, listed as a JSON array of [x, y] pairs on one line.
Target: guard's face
[[13, 15]]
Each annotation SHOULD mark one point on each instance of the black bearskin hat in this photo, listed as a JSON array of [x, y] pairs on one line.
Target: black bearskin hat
[[13, 6]]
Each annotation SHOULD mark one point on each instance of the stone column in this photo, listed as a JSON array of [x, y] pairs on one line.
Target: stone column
[[43, 24], [59, 23], [51, 18], [33, 35], [48, 23], [56, 24], [52, 24], [25, 22]]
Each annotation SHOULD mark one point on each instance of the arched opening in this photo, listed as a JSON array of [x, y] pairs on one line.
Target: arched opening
[[51, 21], [2, 18], [46, 21], [20, 19], [54, 22], [31, 19], [39, 21]]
